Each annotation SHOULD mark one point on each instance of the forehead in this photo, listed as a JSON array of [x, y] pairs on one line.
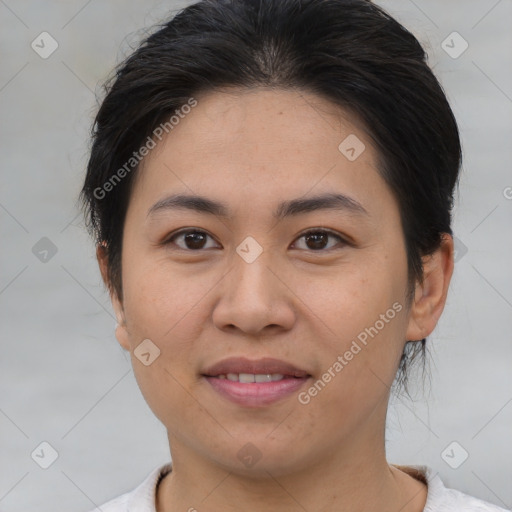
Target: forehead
[[255, 116], [259, 144]]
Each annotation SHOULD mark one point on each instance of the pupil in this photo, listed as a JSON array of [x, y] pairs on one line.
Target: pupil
[[191, 240], [196, 240], [318, 237]]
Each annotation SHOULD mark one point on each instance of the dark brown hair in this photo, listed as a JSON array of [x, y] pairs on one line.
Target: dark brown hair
[[350, 52]]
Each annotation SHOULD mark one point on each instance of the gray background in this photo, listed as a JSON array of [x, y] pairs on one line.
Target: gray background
[[64, 378]]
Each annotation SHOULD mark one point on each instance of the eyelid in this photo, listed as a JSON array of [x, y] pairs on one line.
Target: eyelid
[[168, 239], [343, 239]]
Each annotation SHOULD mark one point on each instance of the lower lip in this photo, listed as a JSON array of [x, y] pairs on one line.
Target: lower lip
[[256, 394]]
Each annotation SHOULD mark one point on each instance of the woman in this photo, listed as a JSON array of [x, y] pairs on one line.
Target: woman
[[270, 187]]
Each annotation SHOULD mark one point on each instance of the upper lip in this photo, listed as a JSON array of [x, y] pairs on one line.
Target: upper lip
[[262, 366]]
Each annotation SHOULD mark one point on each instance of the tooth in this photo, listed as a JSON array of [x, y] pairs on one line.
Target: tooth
[[263, 378], [248, 378]]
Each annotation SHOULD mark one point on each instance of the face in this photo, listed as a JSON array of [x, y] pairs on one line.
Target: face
[[308, 295]]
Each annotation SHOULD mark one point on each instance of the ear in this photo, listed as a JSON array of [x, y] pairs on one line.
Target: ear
[[430, 296], [121, 330]]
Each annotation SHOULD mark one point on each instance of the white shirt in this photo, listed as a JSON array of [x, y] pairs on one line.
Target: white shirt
[[439, 498]]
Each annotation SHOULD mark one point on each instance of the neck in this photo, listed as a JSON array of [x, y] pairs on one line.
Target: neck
[[356, 477]]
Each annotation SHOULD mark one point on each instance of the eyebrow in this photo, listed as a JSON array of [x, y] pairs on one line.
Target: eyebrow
[[284, 209]]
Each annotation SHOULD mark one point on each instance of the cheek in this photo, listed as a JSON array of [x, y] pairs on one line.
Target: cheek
[[357, 370], [165, 307], [362, 315], [164, 303], [353, 298]]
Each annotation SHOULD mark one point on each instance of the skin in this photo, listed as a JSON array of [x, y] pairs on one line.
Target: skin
[[252, 149]]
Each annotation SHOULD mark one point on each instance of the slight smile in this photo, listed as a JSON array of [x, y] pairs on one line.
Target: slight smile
[[255, 383]]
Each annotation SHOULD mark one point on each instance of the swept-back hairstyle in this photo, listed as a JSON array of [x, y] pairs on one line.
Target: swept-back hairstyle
[[350, 52]]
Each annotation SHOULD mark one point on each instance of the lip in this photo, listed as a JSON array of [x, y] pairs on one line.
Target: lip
[[259, 366], [255, 394]]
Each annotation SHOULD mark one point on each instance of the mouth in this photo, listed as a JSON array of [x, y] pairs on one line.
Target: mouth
[[255, 383], [247, 378]]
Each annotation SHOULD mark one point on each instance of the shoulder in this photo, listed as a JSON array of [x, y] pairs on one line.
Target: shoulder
[[442, 499], [119, 504], [140, 499]]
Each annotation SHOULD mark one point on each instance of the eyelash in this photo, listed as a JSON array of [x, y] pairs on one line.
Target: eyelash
[[169, 240]]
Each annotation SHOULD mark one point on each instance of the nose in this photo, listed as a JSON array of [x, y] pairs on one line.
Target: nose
[[254, 299]]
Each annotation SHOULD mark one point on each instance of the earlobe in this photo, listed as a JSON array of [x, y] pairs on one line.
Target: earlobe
[[122, 336], [430, 295], [121, 329]]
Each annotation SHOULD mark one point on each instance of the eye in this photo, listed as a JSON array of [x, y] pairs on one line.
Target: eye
[[193, 239], [196, 240], [317, 239]]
